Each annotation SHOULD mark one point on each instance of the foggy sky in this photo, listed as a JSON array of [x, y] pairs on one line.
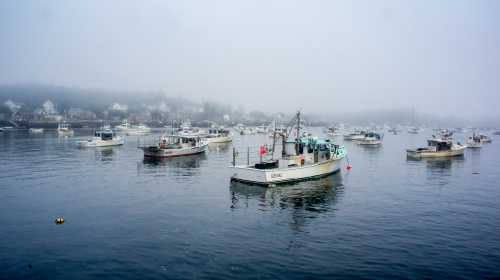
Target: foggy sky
[[439, 57]]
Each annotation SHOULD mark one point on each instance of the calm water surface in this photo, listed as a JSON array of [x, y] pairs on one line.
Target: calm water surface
[[182, 219]]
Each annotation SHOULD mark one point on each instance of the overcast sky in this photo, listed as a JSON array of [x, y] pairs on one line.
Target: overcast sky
[[439, 57]]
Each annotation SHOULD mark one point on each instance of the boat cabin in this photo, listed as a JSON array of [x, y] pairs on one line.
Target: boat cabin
[[218, 132], [178, 142], [104, 134], [439, 145]]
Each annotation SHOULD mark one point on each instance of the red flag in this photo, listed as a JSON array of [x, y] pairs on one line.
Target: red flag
[[262, 150]]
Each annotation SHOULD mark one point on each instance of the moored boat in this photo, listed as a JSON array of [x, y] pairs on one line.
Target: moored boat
[[301, 159], [357, 135], [370, 139], [64, 129], [102, 138], [174, 146], [133, 130], [484, 139], [474, 141], [438, 147], [218, 135]]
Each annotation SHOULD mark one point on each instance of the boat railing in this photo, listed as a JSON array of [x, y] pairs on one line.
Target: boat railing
[[255, 154]]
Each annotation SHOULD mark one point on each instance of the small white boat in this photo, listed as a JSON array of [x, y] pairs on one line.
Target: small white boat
[[474, 141], [301, 159], [413, 130], [36, 130], [102, 138], [218, 135], [64, 129], [174, 146], [438, 147], [133, 130], [370, 139]]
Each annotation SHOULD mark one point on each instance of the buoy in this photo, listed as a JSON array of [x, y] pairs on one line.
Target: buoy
[[349, 167], [59, 220]]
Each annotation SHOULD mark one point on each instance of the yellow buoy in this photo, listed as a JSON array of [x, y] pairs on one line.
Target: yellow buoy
[[59, 220]]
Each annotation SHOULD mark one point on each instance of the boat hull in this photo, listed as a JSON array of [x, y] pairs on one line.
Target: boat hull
[[101, 143], [155, 152], [369, 142], [430, 154], [224, 139], [248, 174]]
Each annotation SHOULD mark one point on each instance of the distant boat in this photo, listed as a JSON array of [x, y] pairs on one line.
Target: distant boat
[[371, 139], [496, 133], [485, 139], [64, 129], [174, 146], [218, 135], [102, 138], [36, 130], [438, 147], [130, 130], [333, 132], [357, 135], [474, 141], [413, 130]]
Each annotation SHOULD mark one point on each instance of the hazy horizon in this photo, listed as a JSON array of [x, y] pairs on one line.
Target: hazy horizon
[[439, 58]]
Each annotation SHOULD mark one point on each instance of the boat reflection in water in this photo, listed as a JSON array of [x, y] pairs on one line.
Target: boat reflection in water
[[104, 153], [221, 148], [177, 166], [318, 195]]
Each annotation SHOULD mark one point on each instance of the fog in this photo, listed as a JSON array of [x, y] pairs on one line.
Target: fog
[[436, 57]]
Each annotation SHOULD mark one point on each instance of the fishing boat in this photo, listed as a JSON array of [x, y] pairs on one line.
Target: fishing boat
[[35, 130], [64, 129], [218, 135], [188, 131], [370, 139], [474, 141], [413, 130], [484, 139], [301, 159], [102, 138], [133, 130], [354, 136], [438, 147], [175, 146]]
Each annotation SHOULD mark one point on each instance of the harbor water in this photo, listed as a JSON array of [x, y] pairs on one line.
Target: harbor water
[[181, 218]]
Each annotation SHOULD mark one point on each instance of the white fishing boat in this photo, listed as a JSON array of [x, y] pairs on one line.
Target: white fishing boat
[[218, 135], [102, 138], [438, 147], [174, 146], [474, 141], [36, 130], [133, 130], [302, 158], [64, 129], [370, 139], [354, 136], [189, 131]]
